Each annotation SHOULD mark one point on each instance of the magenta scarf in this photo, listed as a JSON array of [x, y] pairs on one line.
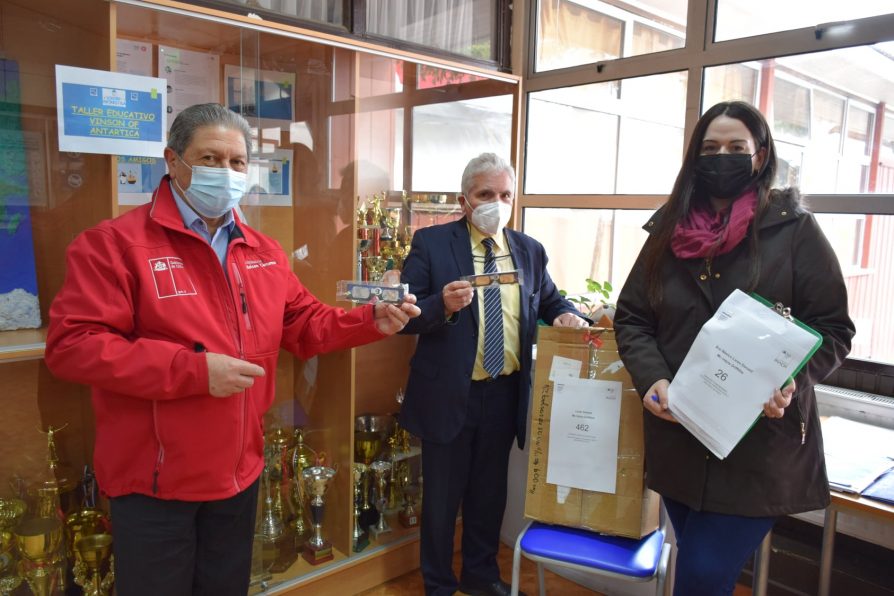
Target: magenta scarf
[[705, 233]]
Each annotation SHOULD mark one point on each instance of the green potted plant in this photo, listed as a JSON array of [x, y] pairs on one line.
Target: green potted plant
[[595, 302]]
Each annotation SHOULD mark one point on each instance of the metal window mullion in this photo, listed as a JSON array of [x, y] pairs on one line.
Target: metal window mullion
[[797, 41]]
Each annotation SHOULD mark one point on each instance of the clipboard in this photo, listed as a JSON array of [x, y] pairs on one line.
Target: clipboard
[[712, 393], [786, 313]]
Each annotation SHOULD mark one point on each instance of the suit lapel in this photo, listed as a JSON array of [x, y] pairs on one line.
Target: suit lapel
[[461, 246], [522, 261]]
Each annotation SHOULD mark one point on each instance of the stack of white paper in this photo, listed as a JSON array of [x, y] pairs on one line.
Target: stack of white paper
[[856, 453], [744, 352]]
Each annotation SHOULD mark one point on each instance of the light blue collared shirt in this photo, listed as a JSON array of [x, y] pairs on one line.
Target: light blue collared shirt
[[195, 223]]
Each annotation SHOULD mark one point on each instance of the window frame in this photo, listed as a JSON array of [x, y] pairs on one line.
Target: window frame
[[698, 53], [354, 27]]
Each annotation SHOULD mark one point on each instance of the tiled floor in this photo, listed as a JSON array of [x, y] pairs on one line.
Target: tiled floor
[[410, 584]]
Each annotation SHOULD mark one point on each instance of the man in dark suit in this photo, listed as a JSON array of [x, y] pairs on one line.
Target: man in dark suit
[[470, 378]]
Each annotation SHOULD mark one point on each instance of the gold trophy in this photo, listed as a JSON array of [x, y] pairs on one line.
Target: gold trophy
[[11, 512], [94, 552], [280, 441], [391, 222], [381, 469], [82, 523], [360, 538], [369, 434], [50, 489], [376, 267], [38, 539], [316, 482], [9, 577], [408, 516], [302, 457], [271, 524]]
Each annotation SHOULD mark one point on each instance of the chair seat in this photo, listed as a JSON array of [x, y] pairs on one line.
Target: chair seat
[[626, 556]]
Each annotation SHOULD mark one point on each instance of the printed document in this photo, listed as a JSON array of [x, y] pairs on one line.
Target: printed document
[[583, 434], [744, 352]]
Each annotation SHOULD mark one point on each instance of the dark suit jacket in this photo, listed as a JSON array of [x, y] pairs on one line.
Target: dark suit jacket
[[434, 406]]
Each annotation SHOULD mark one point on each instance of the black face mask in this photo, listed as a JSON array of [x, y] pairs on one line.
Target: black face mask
[[725, 175]]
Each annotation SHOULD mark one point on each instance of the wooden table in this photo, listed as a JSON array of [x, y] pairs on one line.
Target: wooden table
[[851, 505]]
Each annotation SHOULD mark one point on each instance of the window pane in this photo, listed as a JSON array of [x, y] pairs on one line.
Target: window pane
[[730, 83], [744, 18], [446, 136], [463, 27], [600, 244], [884, 178], [593, 139], [864, 246], [329, 12], [574, 32], [791, 110], [810, 99]]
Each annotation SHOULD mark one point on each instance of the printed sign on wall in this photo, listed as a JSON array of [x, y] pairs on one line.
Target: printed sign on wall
[[108, 112]]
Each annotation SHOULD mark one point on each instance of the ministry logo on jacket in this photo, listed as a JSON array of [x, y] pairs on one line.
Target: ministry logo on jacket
[[171, 278]]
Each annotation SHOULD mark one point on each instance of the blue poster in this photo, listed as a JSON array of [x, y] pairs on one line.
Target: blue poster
[[19, 307], [99, 112]]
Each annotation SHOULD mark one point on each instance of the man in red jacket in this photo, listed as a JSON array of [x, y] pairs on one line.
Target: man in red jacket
[[175, 313]]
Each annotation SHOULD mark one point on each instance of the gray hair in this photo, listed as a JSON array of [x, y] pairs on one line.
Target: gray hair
[[485, 163], [205, 114]]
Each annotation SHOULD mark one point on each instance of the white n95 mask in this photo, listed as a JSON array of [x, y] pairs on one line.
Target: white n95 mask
[[492, 217]]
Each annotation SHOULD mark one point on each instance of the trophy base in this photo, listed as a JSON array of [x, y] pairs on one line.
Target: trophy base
[[279, 553], [368, 517], [360, 542], [375, 532], [317, 554], [408, 520]]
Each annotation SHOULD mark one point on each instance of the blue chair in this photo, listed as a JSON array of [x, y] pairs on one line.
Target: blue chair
[[640, 560]]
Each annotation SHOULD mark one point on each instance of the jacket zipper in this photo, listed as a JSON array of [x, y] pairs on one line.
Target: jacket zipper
[[238, 278], [243, 306], [161, 449]]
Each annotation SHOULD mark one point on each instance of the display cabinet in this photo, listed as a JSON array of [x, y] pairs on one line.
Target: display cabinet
[[344, 133]]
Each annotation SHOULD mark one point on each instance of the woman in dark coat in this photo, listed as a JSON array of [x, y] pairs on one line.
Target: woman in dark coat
[[724, 228]]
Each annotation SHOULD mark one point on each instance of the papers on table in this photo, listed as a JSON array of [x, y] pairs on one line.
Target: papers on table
[[583, 434], [744, 352], [857, 455], [882, 489]]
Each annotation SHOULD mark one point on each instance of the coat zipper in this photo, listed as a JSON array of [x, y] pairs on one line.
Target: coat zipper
[[243, 306], [161, 449], [238, 278]]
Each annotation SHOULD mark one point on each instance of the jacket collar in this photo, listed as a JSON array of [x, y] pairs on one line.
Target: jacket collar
[[785, 206], [163, 211]]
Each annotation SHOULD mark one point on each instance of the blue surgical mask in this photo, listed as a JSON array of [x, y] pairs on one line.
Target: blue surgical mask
[[214, 191]]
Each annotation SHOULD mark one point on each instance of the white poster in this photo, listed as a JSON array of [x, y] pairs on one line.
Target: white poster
[[270, 179], [192, 77], [133, 57], [107, 112], [583, 434]]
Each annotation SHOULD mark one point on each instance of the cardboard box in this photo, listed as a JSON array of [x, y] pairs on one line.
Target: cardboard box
[[633, 510]]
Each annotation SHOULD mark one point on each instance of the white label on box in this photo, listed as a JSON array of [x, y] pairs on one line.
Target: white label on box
[[564, 368], [584, 424]]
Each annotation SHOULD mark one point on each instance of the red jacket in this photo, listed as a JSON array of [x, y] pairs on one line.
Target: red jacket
[[142, 298]]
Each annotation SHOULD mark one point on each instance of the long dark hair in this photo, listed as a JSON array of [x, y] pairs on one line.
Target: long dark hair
[[684, 193]]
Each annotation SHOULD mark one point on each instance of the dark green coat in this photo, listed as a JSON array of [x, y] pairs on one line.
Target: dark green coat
[[769, 472]]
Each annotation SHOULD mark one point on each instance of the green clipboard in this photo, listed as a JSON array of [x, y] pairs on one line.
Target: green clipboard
[[784, 312]]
